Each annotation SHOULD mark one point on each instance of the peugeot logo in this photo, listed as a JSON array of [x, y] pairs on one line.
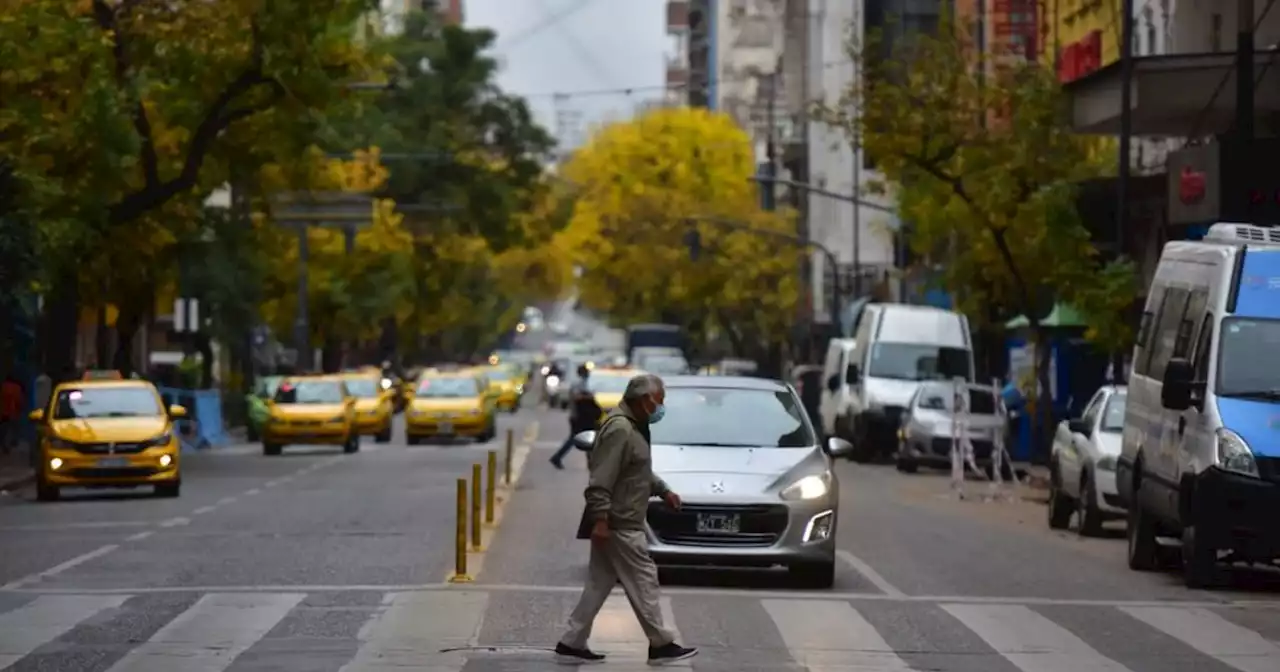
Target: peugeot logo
[[111, 448], [717, 486]]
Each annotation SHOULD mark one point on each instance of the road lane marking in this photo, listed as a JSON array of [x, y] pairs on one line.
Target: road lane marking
[[91, 525], [208, 636], [60, 568], [414, 627], [225, 501], [203, 510], [33, 625], [1030, 641], [870, 574], [176, 522], [251, 492], [830, 635], [140, 536], [1212, 635]]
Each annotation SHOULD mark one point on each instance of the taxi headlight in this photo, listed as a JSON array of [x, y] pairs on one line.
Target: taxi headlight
[[1233, 454], [386, 383], [61, 444], [338, 418], [55, 463], [166, 460], [809, 487]]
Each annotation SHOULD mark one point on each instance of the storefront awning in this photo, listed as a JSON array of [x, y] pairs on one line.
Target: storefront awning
[[1171, 95]]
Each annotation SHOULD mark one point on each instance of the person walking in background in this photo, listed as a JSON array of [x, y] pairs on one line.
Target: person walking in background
[[10, 412], [617, 494], [584, 412]]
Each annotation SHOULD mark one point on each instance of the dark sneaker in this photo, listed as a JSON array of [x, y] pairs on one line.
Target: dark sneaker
[[557, 463], [665, 655], [567, 655]]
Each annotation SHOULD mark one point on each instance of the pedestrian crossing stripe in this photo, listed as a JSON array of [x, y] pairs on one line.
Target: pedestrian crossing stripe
[[444, 631]]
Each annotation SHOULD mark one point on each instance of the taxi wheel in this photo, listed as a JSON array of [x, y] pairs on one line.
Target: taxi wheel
[[169, 490], [384, 436], [412, 440], [352, 445], [271, 448], [46, 492]]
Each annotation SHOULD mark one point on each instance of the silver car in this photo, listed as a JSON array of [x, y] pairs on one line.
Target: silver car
[[757, 482], [925, 436]]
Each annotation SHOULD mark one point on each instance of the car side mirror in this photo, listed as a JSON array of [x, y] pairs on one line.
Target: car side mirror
[[1175, 392], [852, 374], [36, 415], [1079, 426], [833, 383], [176, 411], [584, 440], [838, 447]]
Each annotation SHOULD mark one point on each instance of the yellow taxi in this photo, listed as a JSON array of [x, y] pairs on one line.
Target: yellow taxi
[[375, 405], [505, 385], [447, 405], [107, 434], [607, 385], [311, 410]]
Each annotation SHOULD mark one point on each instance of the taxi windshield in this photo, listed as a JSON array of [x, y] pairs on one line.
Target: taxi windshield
[[457, 388], [309, 392], [498, 375], [364, 388], [608, 384], [106, 402]]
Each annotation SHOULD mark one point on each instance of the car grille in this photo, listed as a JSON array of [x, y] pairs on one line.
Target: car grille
[[1269, 468], [113, 472], [306, 423], [981, 447], [761, 524], [110, 448]]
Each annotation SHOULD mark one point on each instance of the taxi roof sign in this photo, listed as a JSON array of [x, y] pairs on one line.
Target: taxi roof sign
[[102, 374]]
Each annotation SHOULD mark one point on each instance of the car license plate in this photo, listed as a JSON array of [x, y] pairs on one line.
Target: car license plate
[[445, 428], [108, 462], [719, 523]]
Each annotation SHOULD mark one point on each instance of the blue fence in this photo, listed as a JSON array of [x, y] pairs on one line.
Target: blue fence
[[203, 426]]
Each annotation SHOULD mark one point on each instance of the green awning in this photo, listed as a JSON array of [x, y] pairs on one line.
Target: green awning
[[1062, 316]]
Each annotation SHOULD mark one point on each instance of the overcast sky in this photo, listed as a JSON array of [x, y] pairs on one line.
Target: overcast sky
[[597, 45]]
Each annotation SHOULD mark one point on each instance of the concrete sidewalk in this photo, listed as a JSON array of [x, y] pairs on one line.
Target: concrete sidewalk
[[15, 469]]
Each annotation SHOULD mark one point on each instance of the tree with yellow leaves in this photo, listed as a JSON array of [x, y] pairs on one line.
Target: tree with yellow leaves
[[641, 188]]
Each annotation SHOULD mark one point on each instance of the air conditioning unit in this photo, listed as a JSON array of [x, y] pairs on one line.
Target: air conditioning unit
[[1227, 232]]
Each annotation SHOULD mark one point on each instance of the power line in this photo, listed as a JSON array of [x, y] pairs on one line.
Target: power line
[[652, 88], [1222, 83], [584, 54], [547, 22]]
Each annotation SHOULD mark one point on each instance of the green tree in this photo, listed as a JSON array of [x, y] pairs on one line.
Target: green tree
[[984, 167]]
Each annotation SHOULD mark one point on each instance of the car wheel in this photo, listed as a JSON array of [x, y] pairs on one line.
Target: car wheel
[[412, 440], [352, 445], [251, 434], [814, 574], [169, 490], [907, 465], [384, 436], [271, 448], [46, 492], [1088, 517], [1143, 551], [1060, 504], [1199, 562], [863, 451]]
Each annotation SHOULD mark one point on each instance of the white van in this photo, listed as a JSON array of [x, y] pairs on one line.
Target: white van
[[870, 378], [1200, 454]]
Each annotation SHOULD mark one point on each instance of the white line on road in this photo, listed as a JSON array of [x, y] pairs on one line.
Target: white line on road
[[58, 569], [870, 574], [139, 536], [31, 626], [203, 510], [99, 525], [1240, 648], [226, 500], [175, 522], [251, 492]]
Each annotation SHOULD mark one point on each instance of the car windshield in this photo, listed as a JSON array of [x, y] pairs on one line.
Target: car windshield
[[941, 398], [309, 392], [456, 388], [1113, 416], [1241, 373], [365, 388], [106, 402], [733, 418], [664, 364], [608, 384], [917, 361], [498, 375]]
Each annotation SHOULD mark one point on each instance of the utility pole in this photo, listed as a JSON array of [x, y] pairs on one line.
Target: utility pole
[[1244, 71], [771, 144], [1126, 123]]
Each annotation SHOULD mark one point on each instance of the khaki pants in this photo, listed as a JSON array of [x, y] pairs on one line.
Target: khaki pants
[[625, 558]]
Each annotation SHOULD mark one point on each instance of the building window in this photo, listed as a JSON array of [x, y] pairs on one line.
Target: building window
[[1150, 21], [1215, 34]]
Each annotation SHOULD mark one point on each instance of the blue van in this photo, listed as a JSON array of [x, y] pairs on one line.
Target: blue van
[[1200, 454]]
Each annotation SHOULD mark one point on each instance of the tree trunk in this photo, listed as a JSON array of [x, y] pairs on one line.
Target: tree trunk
[[128, 322], [331, 355], [60, 326]]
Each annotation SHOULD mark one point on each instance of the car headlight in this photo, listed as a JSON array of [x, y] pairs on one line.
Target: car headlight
[[1107, 463], [160, 441], [1233, 454], [61, 444], [386, 383], [809, 487], [552, 381], [338, 418]]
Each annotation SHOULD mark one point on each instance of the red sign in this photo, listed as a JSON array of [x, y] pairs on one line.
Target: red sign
[[1081, 57], [1191, 186]]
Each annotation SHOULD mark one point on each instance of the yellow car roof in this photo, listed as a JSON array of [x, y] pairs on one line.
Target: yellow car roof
[[108, 383]]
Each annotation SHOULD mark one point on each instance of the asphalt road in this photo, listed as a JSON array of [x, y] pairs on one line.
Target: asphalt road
[[319, 562]]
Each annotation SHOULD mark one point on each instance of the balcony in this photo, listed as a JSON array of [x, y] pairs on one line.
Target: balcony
[[677, 15]]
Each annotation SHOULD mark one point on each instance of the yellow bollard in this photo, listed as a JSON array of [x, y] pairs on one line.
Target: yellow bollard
[[460, 538], [475, 507], [506, 473], [490, 474]]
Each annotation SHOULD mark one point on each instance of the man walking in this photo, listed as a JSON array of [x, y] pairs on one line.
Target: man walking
[[584, 412], [621, 483]]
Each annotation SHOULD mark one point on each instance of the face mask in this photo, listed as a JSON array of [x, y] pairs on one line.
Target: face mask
[[656, 416]]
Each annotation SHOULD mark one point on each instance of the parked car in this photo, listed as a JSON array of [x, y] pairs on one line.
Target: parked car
[[927, 423], [1082, 464]]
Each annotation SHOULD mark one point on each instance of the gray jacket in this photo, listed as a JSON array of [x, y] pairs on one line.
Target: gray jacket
[[622, 478]]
